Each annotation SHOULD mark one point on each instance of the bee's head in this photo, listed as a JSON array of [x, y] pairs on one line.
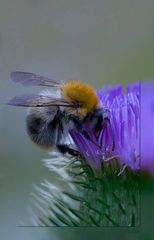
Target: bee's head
[[98, 119]]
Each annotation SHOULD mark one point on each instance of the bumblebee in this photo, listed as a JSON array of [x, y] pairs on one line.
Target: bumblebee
[[51, 115]]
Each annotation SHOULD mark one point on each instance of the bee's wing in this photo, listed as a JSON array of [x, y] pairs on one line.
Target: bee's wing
[[33, 100], [26, 78]]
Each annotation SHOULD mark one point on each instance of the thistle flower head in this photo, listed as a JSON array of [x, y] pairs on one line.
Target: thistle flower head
[[120, 136]]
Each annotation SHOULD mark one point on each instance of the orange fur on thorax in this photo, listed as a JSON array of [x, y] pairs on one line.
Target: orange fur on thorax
[[82, 93]]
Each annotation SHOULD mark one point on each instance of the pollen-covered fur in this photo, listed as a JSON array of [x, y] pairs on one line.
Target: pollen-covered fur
[[82, 93]]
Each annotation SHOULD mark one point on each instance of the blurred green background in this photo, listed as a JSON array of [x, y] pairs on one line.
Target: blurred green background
[[100, 42]]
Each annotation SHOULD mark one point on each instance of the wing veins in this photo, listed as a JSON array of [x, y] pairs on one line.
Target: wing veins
[[32, 100], [27, 78]]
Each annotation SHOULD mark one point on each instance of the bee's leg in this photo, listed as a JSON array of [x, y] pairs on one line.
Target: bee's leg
[[63, 148], [86, 134], [79, 126], [77, 122]]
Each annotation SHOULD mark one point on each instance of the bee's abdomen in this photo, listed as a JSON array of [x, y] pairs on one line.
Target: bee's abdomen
[[42, 127], [34, 125]]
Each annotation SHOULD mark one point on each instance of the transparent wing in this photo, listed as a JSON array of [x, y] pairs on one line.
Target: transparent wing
[[26, 78], [33, 100]]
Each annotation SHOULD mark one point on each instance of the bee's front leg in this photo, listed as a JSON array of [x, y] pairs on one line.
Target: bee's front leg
[[63, 148], [78, 123]]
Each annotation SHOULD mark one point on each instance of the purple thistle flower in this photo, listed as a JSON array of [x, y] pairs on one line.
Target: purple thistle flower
[[124, 125], [122, 130], [147, 126], [131, 128]]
